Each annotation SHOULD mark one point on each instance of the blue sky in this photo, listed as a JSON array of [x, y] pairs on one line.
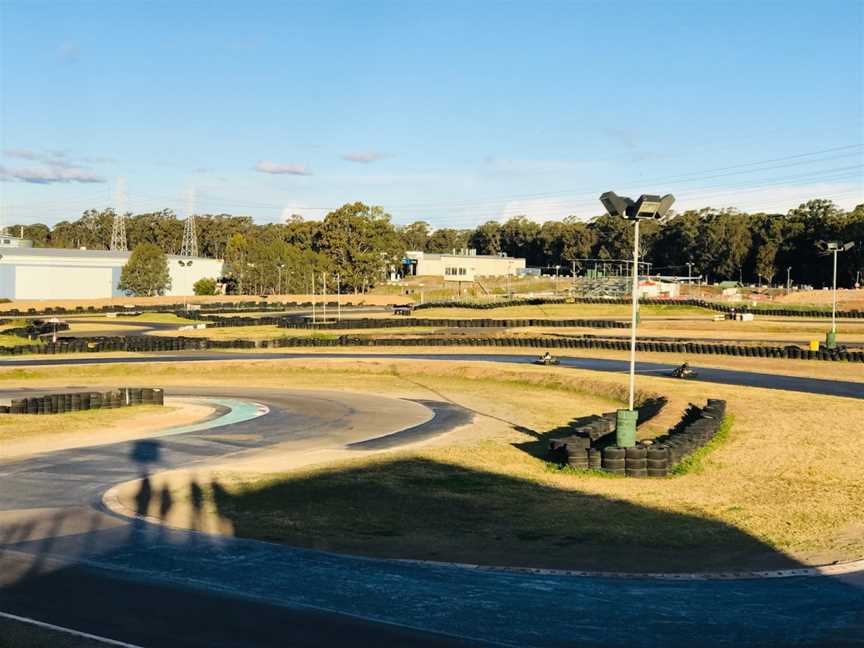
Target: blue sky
[[452, 112]]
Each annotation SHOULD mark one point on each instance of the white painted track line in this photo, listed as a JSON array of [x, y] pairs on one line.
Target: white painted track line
[[68, 631]]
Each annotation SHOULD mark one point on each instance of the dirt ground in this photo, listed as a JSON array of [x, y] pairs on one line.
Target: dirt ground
[[846, 298]]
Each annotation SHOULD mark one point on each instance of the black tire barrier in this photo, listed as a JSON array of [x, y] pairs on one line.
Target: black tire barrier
[[699, 303], [373, 323], [77, 401]]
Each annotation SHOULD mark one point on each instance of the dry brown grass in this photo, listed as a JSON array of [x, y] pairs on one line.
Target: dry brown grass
[[14, 427]]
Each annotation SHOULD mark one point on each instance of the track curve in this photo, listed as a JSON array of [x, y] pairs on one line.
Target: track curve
[[64, 538]]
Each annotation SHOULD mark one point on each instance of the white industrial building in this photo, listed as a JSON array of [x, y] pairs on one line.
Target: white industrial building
[[56, 273], [462, 266]]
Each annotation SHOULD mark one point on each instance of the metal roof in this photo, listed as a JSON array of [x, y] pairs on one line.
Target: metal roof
[[61, 253]]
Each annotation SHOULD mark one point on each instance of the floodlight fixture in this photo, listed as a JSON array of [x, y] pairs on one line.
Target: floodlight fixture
[[616, 205], [647, 206]]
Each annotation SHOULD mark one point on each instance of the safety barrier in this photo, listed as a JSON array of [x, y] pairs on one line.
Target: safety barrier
[[656, 458], [373, 323], [158, 343], [78, 401], [700, 303], [135, 309], [587, 436], [612, 344]]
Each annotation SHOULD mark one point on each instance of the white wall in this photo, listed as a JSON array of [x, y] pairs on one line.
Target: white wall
[[476, 266], [63, 282], [183, 278], [87, 276], [7, 281]]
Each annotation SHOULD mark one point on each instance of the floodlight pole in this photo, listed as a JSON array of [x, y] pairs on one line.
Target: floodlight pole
[[834, 296], [635, 300]]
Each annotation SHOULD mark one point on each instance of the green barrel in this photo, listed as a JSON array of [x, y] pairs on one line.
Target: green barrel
[[625, 428], [831, 340]]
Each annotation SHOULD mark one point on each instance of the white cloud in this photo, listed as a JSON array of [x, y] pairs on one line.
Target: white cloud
[[298, 209], [364, 156], [52, 174], [266, 166]]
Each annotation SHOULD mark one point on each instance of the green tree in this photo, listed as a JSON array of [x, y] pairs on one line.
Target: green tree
[[205, 286], [146, 271], [447, 239], [415, 236], [486, 239], [520, 237], [362, 244]]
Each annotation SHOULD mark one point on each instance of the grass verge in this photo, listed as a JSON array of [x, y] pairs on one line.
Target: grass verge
[[695, 462], [14, 427]]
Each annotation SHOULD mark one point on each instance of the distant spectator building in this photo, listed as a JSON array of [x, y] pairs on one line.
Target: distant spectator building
[[463, 265]]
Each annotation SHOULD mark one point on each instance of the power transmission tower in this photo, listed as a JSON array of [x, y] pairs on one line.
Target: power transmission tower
[[118, 233], [118, 228], [190, 238]]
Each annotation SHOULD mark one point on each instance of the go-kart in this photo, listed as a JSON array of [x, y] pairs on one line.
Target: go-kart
[[684, 371], [547, 360]]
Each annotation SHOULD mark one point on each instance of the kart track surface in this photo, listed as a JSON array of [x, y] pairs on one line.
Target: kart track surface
[[66, 560]]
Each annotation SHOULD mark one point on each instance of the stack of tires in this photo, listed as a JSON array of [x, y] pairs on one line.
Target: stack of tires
[[570, 451], [614, 460]]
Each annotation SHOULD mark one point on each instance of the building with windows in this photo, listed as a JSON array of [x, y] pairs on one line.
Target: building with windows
[[463, 265], [54, 273]]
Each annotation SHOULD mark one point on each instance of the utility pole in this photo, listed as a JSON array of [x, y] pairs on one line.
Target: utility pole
[[338, 297], [313, 297], [324, 294]]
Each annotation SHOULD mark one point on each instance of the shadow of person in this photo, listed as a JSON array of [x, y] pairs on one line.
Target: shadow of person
[[196, 498], [145, 451], [143, 496]]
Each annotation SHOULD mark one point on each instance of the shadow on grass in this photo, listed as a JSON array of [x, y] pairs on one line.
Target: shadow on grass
[[422, 509]]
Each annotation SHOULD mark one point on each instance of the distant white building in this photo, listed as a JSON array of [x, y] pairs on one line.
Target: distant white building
[[54, 273], [462, 266]]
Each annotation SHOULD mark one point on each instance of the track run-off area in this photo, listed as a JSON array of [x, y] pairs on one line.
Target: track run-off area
[[71, 558]]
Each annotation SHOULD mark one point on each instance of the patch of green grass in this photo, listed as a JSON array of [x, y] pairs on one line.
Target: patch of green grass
[[14, 340], [694, 463], [579, 472]]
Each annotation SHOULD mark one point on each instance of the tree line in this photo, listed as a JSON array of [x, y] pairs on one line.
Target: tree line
[[360, 244]]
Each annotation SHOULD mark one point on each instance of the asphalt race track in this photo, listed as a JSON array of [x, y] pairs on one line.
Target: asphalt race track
[[66, 561], [848, 389]]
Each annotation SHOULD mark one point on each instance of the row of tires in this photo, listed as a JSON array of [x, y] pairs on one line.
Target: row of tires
[[686, 348], [213, 307], [372, 323], [701, 303], [656, 459], [126, 343], [78, 401]]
